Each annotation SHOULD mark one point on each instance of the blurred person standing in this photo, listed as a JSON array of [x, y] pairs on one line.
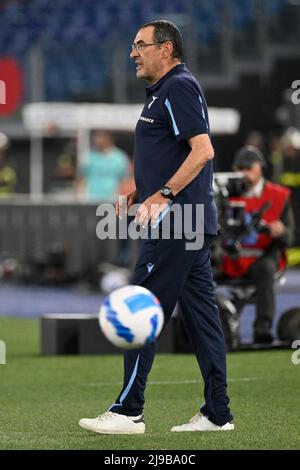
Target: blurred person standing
[[8, 174], [65, 169], [62, 177], [275, 158], [256, 139], [105, 169], [127, 186], [290, 171]]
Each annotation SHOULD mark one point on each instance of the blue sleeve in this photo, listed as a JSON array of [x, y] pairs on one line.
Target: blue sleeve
[[186, 110]]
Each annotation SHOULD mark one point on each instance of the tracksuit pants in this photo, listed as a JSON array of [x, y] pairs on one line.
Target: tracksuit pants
[[174, 274]]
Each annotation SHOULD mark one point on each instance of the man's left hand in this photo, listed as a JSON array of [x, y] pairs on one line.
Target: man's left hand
[[150, 210], [277, 229]]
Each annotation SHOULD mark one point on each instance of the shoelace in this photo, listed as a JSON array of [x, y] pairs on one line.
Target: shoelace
[[110, 414], [105, 416], [195, 418]]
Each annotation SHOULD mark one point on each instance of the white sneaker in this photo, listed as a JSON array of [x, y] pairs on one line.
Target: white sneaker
[[114, 423], [200, 422]]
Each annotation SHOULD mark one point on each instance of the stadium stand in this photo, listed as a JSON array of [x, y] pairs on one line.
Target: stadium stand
[[72, 34]]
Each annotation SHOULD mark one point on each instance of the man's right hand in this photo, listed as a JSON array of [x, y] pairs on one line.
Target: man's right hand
[[124, 203]]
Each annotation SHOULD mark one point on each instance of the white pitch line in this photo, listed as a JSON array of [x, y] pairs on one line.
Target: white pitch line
[[168, 382], [184, 382]]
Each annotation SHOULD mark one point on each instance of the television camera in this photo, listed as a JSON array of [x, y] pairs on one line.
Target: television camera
[[234, 222]]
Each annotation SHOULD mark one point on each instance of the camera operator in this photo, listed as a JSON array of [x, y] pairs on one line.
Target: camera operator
[[262, 252]]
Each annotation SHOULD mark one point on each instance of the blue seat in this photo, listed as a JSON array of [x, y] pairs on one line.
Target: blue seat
[[73, 22]]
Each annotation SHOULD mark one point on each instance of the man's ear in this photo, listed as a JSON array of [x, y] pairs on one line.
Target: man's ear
[[168, 49]]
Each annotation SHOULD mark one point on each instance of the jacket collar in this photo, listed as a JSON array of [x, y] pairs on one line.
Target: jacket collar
[[179, 68]]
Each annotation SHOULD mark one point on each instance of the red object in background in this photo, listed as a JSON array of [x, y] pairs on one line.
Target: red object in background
[[11, 86]]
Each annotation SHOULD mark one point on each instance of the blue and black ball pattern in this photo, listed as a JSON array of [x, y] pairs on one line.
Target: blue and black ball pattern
[[135, 304]]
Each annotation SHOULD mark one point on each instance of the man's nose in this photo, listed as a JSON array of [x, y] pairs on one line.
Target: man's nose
[[133, 53]]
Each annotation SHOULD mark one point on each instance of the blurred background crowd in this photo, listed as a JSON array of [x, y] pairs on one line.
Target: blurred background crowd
[[244, 52]]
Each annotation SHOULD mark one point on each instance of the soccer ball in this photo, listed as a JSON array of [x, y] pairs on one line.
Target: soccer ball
[[131, 317]]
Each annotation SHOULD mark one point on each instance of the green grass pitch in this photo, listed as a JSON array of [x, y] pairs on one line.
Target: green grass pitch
[[42, 398]]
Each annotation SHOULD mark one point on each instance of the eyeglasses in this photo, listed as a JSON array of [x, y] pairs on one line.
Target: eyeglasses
[[141, 46]]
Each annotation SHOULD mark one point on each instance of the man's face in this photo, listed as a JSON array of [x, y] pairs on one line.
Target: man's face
[[252, 174], [149, 59], [101, 140]]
